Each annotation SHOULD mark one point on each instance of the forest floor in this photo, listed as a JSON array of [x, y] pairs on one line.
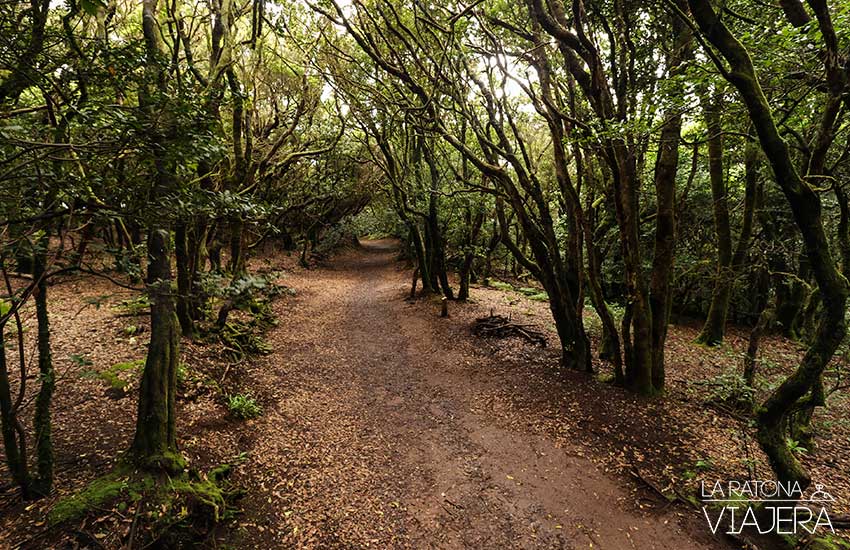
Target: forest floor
[[387, 426]]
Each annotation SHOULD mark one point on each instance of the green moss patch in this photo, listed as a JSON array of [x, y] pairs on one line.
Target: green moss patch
[[112, 375], [501, 286], [98, 494], [536, 294], [174, 511]]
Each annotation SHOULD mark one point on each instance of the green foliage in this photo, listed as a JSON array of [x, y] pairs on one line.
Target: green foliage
[[133, 307], [96, 301], [531, 293], [703, 464], [243, 338], [246, 291], [112, 375], [80, 360], [133, 330], [730, 388], [243, 406], [795, 447]]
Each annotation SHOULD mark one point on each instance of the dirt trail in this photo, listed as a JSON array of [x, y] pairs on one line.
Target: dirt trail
[[378, 433]]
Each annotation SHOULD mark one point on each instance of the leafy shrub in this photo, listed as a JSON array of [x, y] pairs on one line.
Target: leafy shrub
[[243, 406], [729, 388]]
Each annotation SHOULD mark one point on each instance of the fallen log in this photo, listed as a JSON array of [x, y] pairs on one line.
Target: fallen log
[[500, 326]]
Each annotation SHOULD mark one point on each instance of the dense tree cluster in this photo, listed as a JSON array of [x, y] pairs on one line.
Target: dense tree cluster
[[645, 160]]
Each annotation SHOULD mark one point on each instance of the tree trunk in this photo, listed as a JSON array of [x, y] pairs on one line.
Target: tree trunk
[[14, 445], [474, 224], [184, 281], [715, 323], [42, 418], [435, 238], [610, 336], [421, 258], [155, 442], [666, 169], [236, 265]]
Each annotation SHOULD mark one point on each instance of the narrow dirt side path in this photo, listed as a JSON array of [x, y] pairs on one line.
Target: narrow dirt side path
[[380, 431]]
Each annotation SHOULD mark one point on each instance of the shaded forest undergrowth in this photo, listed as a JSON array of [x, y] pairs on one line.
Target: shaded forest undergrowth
[[657, 450]]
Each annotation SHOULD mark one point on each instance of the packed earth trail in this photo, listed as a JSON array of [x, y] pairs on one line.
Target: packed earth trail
[[379, 430]]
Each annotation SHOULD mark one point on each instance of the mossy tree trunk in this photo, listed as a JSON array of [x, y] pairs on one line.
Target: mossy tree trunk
[[644, 329], [185, 293], [473, 224], [155, 442], [715, 323], [432, 221], [611, 349], [665, 172], [473, 221], [729, 263]]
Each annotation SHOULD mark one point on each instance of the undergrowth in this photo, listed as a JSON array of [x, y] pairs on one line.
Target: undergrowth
[[243, 406]]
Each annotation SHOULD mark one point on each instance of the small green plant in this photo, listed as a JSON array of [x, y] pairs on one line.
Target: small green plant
[[703, 465], [134, 307], [96, 301], [243, 406], [133, 330], [243, 338], [80, 360], [795, 447], [730, 389], [182, 373]]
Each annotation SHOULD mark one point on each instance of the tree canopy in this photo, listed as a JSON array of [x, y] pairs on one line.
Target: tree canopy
[[635, 164]]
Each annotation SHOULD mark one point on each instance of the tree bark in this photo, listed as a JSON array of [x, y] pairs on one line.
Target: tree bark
[[155, 441], [184, 281], [42, 418], [14, 447], [666, 170]]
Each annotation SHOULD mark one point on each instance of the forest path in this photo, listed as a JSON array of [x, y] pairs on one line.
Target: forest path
[[378, 433]]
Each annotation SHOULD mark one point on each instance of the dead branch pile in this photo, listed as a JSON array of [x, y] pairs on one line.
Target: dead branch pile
[[500, 326]]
